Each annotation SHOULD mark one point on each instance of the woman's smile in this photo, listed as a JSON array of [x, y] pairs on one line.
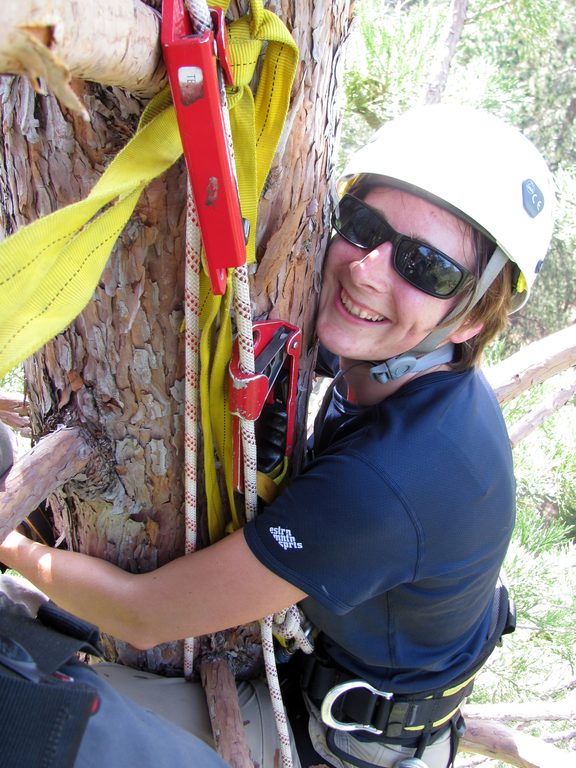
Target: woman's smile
[[356, 310]]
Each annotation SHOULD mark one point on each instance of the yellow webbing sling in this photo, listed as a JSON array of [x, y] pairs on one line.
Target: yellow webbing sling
[[257, 123], [50, 268]]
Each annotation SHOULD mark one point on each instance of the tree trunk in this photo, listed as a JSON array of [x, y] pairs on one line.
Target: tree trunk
[[445, 50], [117, 371]]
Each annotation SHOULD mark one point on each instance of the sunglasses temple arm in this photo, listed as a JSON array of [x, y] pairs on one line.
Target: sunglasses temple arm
[[452, 320]]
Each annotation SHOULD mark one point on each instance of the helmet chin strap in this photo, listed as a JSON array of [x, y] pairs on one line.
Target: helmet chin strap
[[431, 351]]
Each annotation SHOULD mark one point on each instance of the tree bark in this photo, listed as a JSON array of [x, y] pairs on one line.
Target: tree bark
[[445, 50], [62, 456], [14, 412], [225, 717], [522, 711], [117, 371]]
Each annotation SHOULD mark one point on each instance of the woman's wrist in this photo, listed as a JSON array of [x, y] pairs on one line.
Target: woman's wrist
[[10, 547]]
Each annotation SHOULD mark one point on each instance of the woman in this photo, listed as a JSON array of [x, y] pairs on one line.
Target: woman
[[393, 537]]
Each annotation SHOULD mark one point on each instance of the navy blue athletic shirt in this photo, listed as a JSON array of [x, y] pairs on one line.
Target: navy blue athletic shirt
[[397, 530]]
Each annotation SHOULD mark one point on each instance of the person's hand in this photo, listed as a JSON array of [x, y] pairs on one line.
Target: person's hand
[[16, 588], [9, 547]]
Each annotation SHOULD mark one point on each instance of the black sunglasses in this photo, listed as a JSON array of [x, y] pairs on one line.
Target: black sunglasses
[[423, 266]]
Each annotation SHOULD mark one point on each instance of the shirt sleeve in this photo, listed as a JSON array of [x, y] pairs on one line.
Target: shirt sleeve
[[341, 532]]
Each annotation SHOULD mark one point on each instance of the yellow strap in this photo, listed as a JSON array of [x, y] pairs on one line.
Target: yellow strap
[[448, 692], [257, 123], [49, 269]]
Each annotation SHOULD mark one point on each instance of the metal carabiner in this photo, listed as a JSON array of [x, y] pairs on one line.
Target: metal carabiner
[[339, 690]]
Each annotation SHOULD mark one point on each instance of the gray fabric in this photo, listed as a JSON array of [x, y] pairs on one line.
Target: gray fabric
[[184, 704], [123, 734], [6, 449]]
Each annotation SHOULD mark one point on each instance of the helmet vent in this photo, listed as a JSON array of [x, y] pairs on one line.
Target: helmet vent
[[532, 198]]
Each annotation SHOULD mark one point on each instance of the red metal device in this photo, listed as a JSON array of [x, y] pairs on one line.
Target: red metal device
[[197, 66], [273, 385]]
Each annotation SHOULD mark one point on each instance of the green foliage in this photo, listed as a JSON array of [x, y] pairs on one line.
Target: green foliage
[[13, 381], [388, 56], [546, 464]]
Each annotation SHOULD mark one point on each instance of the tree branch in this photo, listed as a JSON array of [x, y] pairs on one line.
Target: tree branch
[[526, 711], [445, 51], [55, 40], [501, 743], [225, 715], [543, 410], [56, 459], [533, 364], [14, 411]]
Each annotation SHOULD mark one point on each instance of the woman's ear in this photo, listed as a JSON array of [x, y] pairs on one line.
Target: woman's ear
[[465, 332]]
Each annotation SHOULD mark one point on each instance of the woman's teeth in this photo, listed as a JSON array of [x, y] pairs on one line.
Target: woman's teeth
[[357, 311]]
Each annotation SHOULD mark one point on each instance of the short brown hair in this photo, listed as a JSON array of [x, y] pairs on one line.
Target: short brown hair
[[493, 308]]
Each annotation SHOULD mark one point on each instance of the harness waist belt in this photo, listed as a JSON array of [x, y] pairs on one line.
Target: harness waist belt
[[350, 704]]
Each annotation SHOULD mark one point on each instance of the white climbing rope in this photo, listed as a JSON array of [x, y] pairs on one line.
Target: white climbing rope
[[192, 386], [288, 623], [200, 15], [201, 21]]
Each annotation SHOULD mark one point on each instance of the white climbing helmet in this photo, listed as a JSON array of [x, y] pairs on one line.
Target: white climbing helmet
[[476, 165]]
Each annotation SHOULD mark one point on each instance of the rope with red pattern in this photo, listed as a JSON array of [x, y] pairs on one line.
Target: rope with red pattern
[[198, 10]]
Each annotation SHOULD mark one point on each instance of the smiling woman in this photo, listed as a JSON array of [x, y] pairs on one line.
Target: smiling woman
[[393, 536], [390, 288]]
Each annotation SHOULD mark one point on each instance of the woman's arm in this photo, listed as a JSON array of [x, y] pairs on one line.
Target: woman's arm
[[218, 587]]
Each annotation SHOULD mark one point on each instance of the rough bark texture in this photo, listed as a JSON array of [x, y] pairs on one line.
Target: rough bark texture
[[118, 370], [225, 716], [62, 456]]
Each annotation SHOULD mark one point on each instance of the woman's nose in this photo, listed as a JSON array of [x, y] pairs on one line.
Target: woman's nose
[[373, 269]]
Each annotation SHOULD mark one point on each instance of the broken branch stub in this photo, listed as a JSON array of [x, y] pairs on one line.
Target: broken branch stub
[[66, 455]]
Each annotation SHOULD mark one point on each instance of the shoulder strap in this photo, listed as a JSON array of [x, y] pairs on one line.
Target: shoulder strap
[[42, 716], [52, 638]]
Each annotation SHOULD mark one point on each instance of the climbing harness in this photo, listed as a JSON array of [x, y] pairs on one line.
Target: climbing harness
[[349, 704]]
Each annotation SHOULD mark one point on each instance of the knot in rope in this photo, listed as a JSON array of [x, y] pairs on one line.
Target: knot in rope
[[290, 624]]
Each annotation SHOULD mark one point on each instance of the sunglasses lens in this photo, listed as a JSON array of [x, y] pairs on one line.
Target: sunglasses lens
[[421, 265], [427, 269], [359, 224]]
